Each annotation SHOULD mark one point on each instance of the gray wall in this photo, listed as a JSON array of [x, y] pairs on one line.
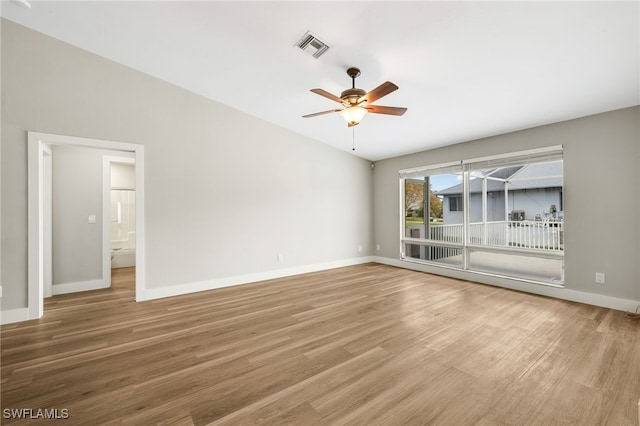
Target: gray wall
[[1, 112], [537, 201], [247, 190], [601, 157], [77, 193], [532, 201], [243, 190]]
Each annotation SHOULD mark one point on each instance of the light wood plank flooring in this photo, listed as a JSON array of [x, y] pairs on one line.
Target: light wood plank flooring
[[362, 345]]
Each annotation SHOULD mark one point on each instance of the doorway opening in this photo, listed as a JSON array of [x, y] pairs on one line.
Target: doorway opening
[[39, 215], [119, 213]]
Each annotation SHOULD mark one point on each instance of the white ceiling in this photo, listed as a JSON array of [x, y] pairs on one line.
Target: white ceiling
[[465, 69]]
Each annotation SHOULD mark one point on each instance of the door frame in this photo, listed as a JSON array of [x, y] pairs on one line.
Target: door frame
[[47, 199], [37, 144]]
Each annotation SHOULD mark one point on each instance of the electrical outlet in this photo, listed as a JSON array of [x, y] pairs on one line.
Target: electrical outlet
[[359, 247], [378, 247], [92, 218], [600, 278]]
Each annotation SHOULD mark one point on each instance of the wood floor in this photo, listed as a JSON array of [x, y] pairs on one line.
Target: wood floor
[[362, 345]]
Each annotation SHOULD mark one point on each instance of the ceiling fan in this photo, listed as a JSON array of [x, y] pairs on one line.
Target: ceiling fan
[[357, 102]]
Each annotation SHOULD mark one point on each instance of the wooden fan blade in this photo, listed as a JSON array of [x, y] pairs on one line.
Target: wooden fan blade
[[321, 113], [377, 109], [383, 90], [327, 95]]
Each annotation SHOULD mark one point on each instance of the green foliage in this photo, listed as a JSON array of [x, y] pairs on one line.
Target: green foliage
[[414, 201], [436, 205]]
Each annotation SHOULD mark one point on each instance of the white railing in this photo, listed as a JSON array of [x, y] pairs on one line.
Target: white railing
[[537, 235], [448, 233]]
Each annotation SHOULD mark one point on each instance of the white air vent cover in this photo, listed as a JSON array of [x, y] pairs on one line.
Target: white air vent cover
[[312, 45]]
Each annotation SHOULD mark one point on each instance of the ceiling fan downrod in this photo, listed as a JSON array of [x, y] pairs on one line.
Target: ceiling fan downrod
[[350, 96], [353, 72]]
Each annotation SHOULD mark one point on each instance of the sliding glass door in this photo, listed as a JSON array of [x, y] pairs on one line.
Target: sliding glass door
[[500, 215]]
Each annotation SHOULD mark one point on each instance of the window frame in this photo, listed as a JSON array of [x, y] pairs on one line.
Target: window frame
[[458, 204], [468, 168]]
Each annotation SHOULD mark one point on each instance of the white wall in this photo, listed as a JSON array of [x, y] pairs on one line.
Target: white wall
[[122, 220], [601, 157], [225, 192]]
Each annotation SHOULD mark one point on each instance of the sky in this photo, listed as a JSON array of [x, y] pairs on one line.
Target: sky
[[440, 182]]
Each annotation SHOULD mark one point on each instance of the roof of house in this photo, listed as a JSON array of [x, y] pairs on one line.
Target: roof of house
[[530, 176]]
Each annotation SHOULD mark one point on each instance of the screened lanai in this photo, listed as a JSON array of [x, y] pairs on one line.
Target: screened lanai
[[506, 219]]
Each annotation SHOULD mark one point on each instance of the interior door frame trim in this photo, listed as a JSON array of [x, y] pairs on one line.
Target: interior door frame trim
[[36, 145]]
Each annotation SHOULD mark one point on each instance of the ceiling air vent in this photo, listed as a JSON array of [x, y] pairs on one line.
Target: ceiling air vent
[[312, 45]]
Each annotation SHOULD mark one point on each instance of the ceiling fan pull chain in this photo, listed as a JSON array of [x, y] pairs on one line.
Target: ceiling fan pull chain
[[353, 138]]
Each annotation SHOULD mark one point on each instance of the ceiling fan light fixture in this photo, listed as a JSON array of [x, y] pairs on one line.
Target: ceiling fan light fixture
[[353, 114], [356, 102]]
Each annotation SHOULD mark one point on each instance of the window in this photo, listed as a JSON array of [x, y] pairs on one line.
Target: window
[[455, 203], [513, 225]]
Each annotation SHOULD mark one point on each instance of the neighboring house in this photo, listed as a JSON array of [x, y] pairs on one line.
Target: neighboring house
[[535, 189]]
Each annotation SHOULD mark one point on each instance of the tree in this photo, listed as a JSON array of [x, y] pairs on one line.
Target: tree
[[436, 205], [414, 200], [413, 197]]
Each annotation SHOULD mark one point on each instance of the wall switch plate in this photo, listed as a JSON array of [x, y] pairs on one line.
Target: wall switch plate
[[360, 247], [92, 218], [600, 278], [378, 247], [280, 257]]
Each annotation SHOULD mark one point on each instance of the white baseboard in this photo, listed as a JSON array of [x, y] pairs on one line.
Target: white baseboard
[[22, 314], [14, 315], [193, 287], [541, 289], [65, 288]]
